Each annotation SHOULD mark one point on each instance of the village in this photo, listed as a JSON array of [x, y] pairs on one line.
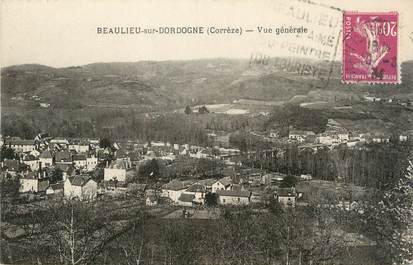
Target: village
[[88, 169]]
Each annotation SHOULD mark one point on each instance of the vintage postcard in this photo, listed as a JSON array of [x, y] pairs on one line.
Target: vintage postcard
[[214, 132]]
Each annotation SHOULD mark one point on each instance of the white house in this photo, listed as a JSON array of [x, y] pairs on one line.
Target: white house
[[233, 197], [286, 196], [46, 158], [352, 143], [403, 138], [22, 146], [79, 161], [199, 154], [32, 162], [80, 146], [91, 163], [343, 136], [325, 139], [198, 190], [32, 182], [299, 136], [174, 189], [117, 170], [222, 184], [81, 187], [59, 140]]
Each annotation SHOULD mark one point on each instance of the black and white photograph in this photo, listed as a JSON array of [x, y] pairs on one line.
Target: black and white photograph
[[216, 132]]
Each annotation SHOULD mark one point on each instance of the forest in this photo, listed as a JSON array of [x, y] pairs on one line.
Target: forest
[[373, 165]]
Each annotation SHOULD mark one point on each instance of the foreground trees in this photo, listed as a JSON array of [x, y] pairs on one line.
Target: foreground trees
[[70, 232], [388, 219]]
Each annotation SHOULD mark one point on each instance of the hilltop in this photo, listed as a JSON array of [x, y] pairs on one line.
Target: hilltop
[[104, 94]]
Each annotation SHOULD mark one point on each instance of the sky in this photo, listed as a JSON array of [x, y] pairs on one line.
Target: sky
[[62, 33]]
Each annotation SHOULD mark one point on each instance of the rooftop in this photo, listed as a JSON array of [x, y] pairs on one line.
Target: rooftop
[[186, 197], [176, 185], [79, 180], [46, 154], [21, 142], [286, 192], [197, 187], [234, 193]]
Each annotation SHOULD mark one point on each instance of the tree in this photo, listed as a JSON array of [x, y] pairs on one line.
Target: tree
[[203, 110], [150, 170], [235, 238], [77, 232], [211, 199], [8, 153], [105, 143], [179, 240], [387, 218], [288, 182], [9, 190], [188, 110], [57, 175]]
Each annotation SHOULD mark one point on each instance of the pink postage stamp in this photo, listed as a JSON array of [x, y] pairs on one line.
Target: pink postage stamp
[[370, 47]]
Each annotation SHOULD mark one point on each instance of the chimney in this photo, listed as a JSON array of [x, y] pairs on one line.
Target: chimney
[[44, 174], [40, 165]]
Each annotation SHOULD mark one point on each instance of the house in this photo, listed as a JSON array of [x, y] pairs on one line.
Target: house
[[299, 136], [117, 170], [151, 200], [55, 188], [33, 182], [325, 139], [79, 161], [79, 145], [200, 154], [306, 177], [222, 184], [32, 162], [233, 197], [46, 158], [82, 187], [186, 199], [60, 141], [353, 143], [22, 146], [34, 153], [67, 169], [11, 166], [63, 156], [274, 134], [198, 190], [91, 163], [174, 189], [207, 183], [343, 136], [286, 196], [380, 138], [44, 105]]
